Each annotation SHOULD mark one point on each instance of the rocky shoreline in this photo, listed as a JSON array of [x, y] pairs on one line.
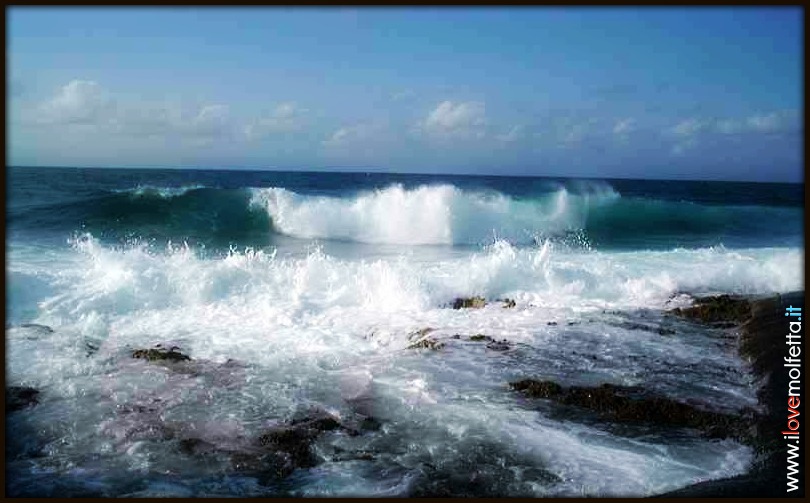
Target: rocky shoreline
[[757, 322], [761, 341]]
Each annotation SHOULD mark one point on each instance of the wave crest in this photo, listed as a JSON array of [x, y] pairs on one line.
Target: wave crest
[[429, 215]]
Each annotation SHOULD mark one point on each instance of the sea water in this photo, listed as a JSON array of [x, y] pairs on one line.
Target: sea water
[[300, 291]]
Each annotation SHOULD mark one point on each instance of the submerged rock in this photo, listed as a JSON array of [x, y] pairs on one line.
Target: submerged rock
[[294, 440], [469, 303], [20, 397], [159, 353], [720, 309], [631, 405]]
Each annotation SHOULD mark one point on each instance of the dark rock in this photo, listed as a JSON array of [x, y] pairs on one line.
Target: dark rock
[[469, 302], [356, 456], [480, 337], [502, 345], [160, 354], [456, 336], [197, 447], [630, 405], [428, 343], [293, 441], [20, 397], [719, 309], [508, 303], [370, 424], [37, 326], [552, 323], [537, 389], [665, 331]]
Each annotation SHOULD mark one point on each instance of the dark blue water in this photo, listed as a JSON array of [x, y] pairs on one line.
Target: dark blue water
[[214, 208]]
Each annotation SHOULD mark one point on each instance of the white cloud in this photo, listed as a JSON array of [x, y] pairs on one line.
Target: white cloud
[[456, 119], [689, 127], [286, 118], [729, 126], [348, 135], [624, 127], [211, 120], [773, 122], [514, 134], [766, 123], [79, 102]]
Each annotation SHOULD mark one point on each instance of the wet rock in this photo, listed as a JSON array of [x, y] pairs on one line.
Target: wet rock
[[420, 333], [632, 405], [721, 309], [20, 397], [370, 424], [502, 345], [355, 456], [197, 447], [480, 337], [428, 343], [508, 303], [552, 323], [38, 327], [469, 302], [665, 331], [294, 440], [158, 354], [537, 389]]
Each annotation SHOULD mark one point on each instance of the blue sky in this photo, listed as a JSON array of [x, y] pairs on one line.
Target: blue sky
[[692, 93]]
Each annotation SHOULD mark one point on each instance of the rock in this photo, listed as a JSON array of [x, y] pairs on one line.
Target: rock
[[469, 302], [665, 331], [502, 345], [294, 440], [197, 447], [20, 397], [480, 337], [631, 405], [537, 389], [38, 327], [552, 323], [420, 333], [370, 424], [508, 303], [355, 456], [160, 354], [722, 309], [428, 343]]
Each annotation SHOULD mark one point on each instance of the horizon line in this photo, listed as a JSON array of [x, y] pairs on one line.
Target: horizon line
[[326, 170]]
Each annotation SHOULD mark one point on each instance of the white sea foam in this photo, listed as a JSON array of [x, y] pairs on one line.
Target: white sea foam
[[162, 192], [435, 214], [317, 329]]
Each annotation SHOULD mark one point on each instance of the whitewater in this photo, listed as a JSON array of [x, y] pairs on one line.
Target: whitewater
[[296, 292]]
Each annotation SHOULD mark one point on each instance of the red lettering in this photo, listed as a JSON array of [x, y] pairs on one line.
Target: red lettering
[[793, 402]]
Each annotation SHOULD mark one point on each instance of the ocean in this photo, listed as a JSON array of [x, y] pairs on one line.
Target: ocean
[[307, 291]]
